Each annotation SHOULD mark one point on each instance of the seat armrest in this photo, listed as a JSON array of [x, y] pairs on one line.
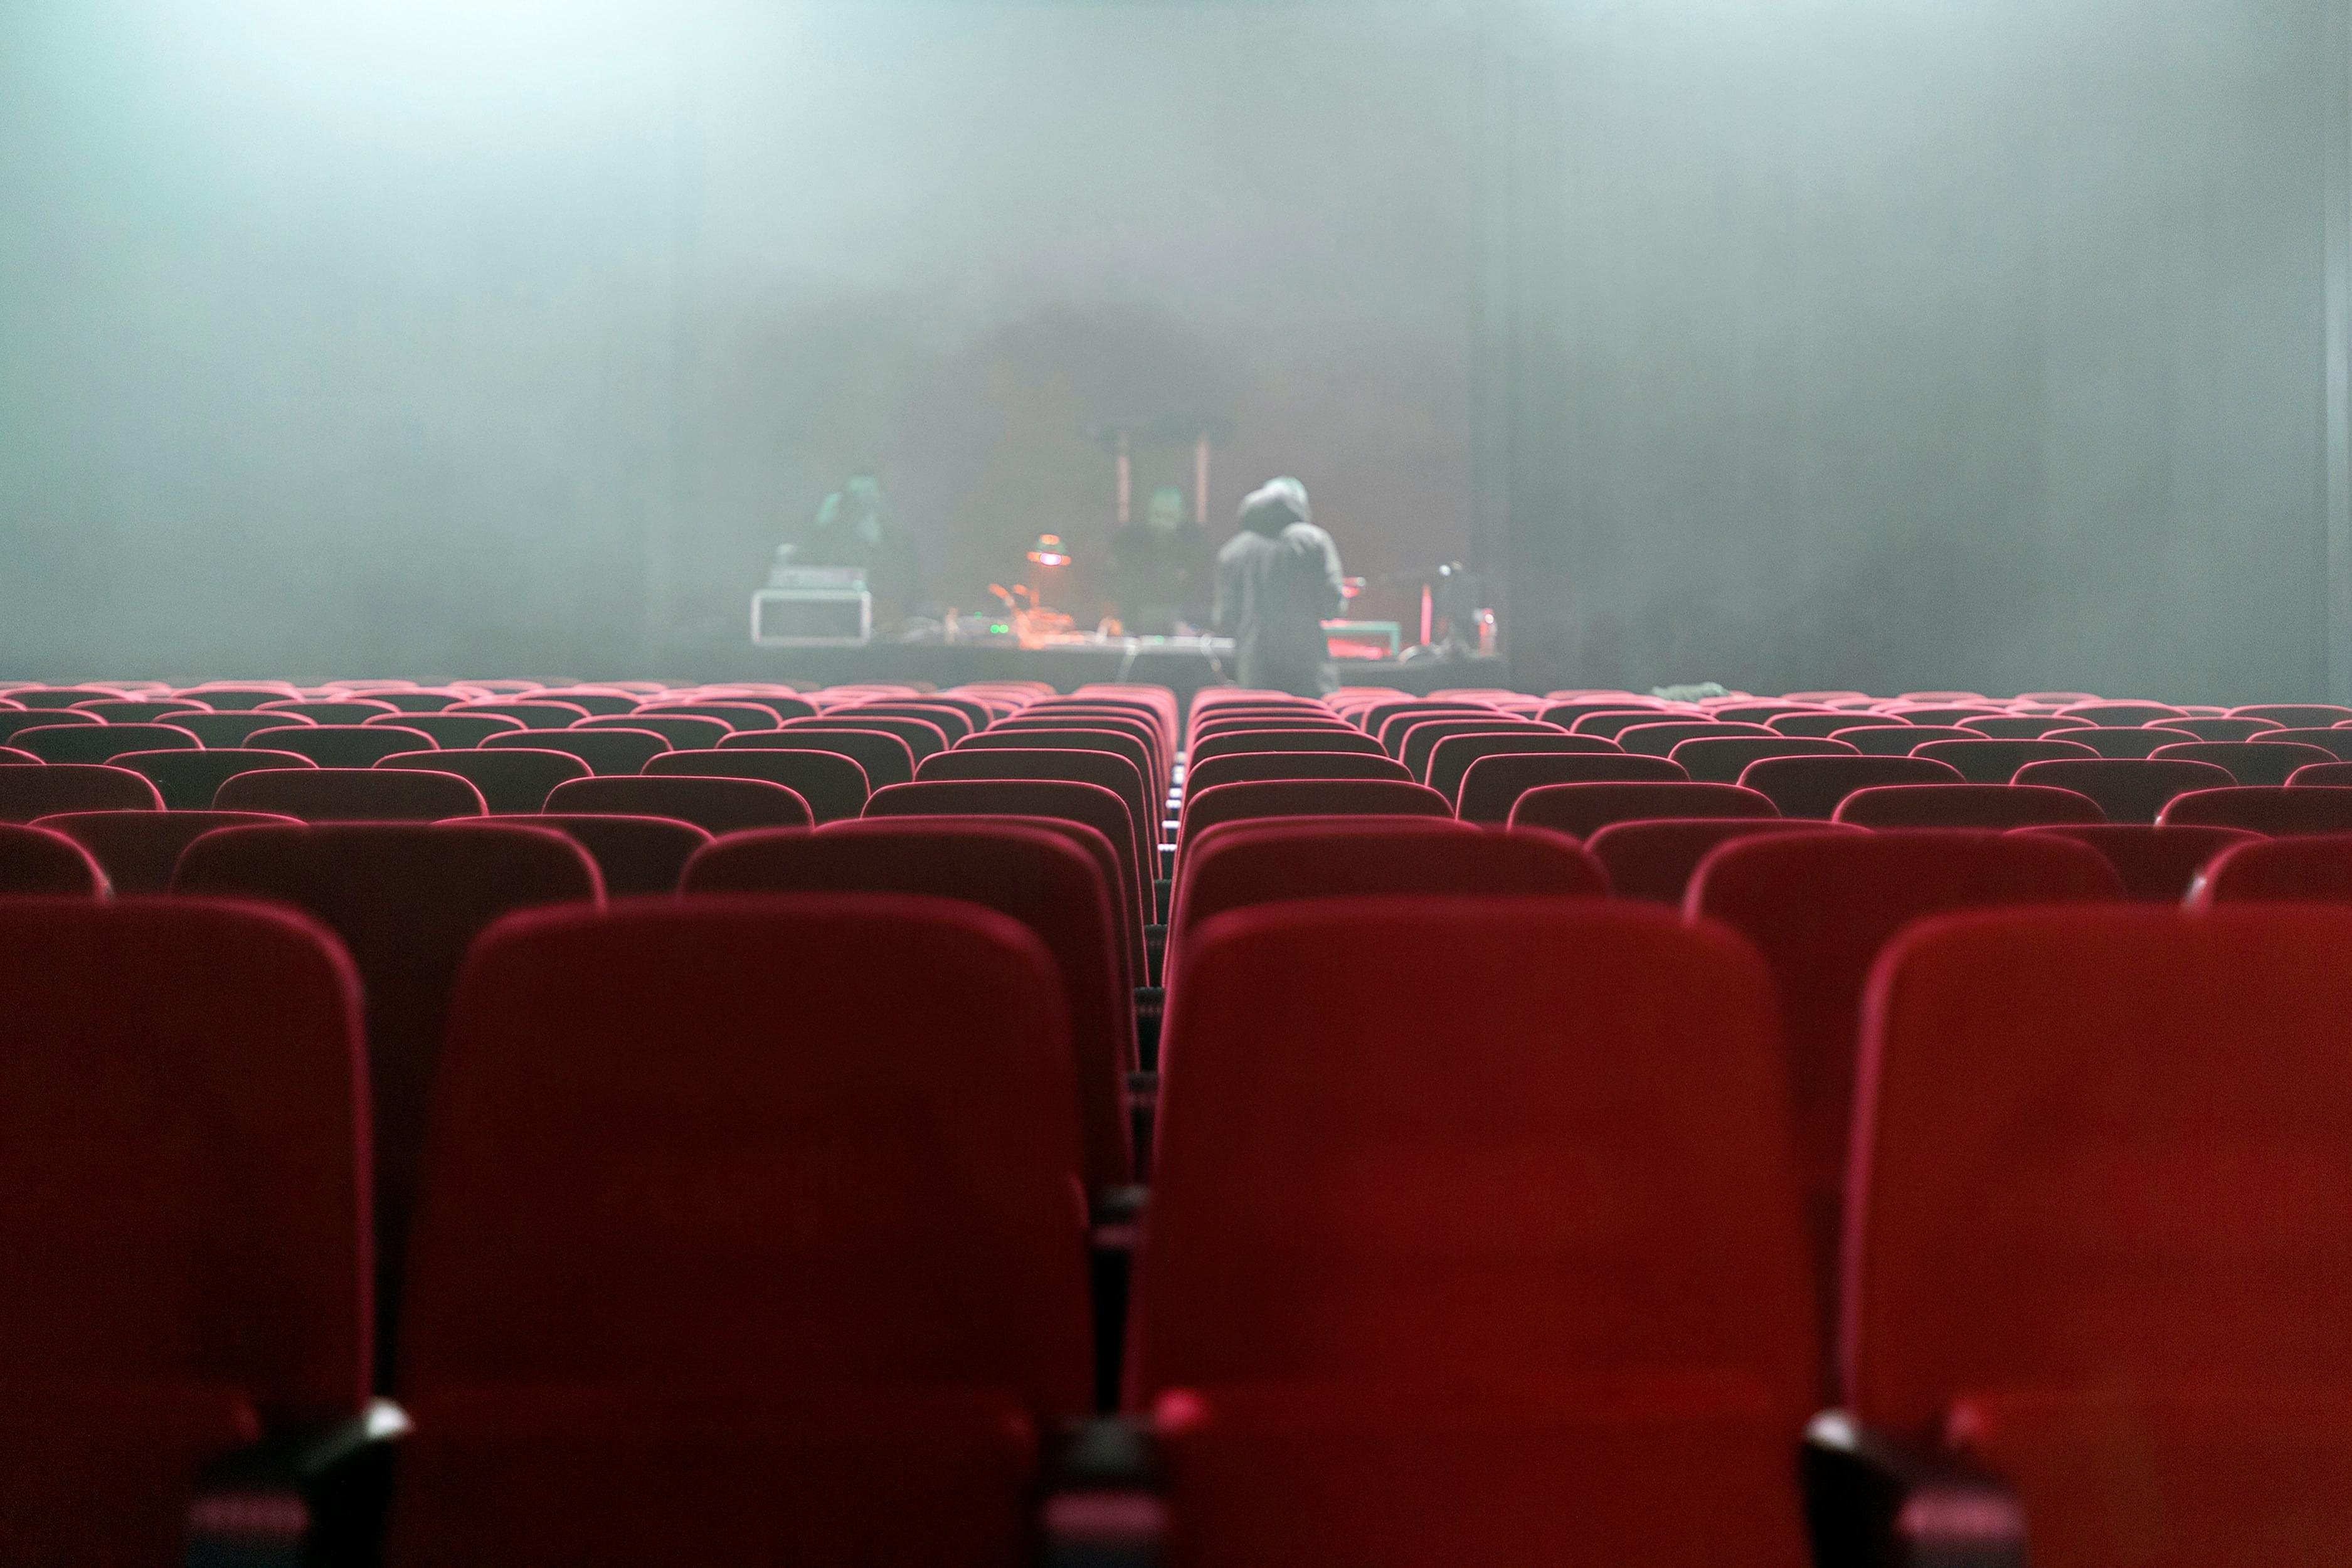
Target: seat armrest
[[1102, 1506], [314, 1497], [1873, 1500], [1114, 1227]]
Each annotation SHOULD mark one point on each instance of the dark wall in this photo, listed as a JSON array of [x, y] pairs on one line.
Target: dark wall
[[1912, 345]]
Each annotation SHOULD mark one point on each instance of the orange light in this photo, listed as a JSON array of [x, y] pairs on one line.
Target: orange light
[[1049, 551]]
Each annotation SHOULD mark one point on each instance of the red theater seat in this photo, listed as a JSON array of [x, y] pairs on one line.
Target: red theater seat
[[1813, 787], [714, 805], [1897, 740], [337, 711], [1025, 872], [682, 732], [1315, 738], [1659, 740], [1990, 761], [1818, 906], [922, 738], [1120, 742], [407, 899], [515, 780], [1493, 785], [352, 745], [181, 1096], [187, 780], [1308, 797], [2129, 744], [832, 785], [738, 716], [634, 856], [26, 793], [2278, 811], [349, 795], [39, 861], [882, 760], [2098, 1229], [453, 730], [2316, 869], [1451, 760], [1090, 806], [1517, 1277], [231, 730], [1247, 767], [2249, 761], [1420, 740], [1580, 810], [1968, 805], [140, 849], [100, 743], [138, 711], [2127, 789], [2297, 715], [2157, 864], [839, 1297], [2337, 743], [606, 751], [2023, 727], [1655, 859], [2226, 729], [1722, 759], [1103, 769]]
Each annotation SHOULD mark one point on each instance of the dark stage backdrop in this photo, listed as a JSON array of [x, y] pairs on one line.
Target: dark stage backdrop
[[443, 338]]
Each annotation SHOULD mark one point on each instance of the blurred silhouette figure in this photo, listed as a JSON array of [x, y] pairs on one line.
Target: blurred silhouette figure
[[1277, 580], [1162, 567], [853, 527]]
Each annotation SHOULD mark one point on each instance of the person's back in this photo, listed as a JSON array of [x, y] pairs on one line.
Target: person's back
[[1277, 580]]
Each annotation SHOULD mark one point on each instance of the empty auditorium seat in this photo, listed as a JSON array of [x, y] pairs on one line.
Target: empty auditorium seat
[[2321, 775], [60, 696], [839, 1295], [783, 707], [833, 786], [454, 731], [2158, 865], [1248, 863], [229, 730], [350, 745], [338, 713], [2096, 1240], [882, 760], [2297, 715], [1893, 740], [1090, 805], [1451, 759], [1820, 906], [1120, 742], [634, 856], [516, 779], [1813, 786], [951, 724], [2226, 729], [736, 715], [2249, 761], [42, 862], [26, 793], [11, 756], [1420, 740], [414, 702], [1245, 767], [1114, 773], [684, 732], [2129, 743], [137, 850], [1308, 798], [1612, 725], [1659, 740], [1816, 726], [1655, 859], [600, 702], [716, 805], [227, 695], [2337, 743], [140, 709], [407, 901], [1023, 871], [1580, 810], [1967, 805], [2022, 726], [2313, 868], [535, 715], [1721, 760], [349, 795], [100, 743], [1135, 727], [187, 780], [605, 751], [1318, 738], [185, 1212], [2276, 810], [1992, 762], [2122, 713], [1493, 785], [2127, 789], [1515, 1277], [923, 738]]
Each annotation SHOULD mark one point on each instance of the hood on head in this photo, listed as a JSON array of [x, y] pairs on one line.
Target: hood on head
[[1274, 506]]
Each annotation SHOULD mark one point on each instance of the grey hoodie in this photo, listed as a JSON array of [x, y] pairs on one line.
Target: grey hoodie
[[1277, 580]]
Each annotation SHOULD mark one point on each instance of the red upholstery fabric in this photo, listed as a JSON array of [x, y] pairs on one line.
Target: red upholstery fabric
[[883, 760], [847, 1238], [1660, 739], [2276, 810], [1288, 738], [1990, 761], [1421, 739], [1813, 787], [922, 738], [228, 729], [1027, 873], [407, 899], [1493, 785], [1655, 859], [1721, 759], [352, 745], [1308, 797], [1885, 738], [1451, 759], [2127, 789], [41, 861], [682, 730], [26, 793], [832, 785], [2249, 761], [1968, 805], [604, 750], [634, 856], [2337, 743], [1120, 742], [349, 795], [713, 805], [1247, 767], [2129, 743], [1580, 810], [187, 780], [2097, 1241], [1820, 906], [183, 1206], [455, 730], [1534, 1295], [1091, 805], [331, 710], [515, 780], [1114, 773], [2157, 864], [140, 849], [2316, 869], [100, 743]]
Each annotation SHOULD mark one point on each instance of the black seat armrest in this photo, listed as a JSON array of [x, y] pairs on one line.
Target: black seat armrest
[[1877, 1501], [1102, 1506], [317, 1497]]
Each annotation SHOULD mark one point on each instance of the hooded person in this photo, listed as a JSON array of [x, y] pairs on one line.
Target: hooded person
[[1277, 580], [1161, 567]]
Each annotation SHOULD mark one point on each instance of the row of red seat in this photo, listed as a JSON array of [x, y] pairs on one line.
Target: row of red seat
[[809, 1284]]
